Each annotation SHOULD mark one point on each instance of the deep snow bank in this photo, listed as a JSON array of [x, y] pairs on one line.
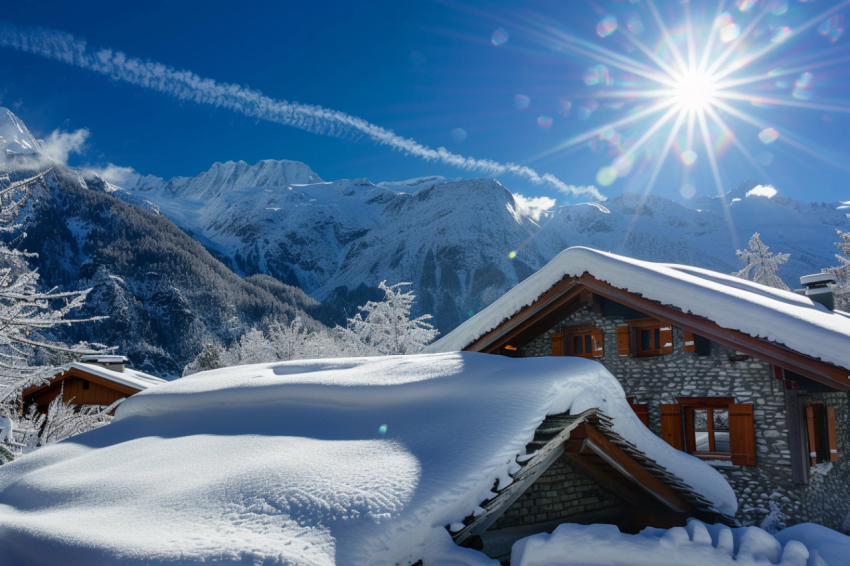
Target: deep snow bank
[[286, 462], [696, 545]]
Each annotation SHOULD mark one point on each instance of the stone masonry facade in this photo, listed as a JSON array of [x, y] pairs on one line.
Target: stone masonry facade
[[559, 494], [661, 379]]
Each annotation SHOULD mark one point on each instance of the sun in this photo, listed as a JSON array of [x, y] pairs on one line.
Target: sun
[[694, 91]]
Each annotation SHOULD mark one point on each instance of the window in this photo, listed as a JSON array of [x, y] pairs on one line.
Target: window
[[711, 428], [644, 337], [85, 384], [581, 341], [823, 445]]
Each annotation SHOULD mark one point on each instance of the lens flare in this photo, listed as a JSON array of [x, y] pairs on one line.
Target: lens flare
[[458, 134], [694, 91], [832, 28], [768, 136], [689, 157], [688, 191], [511, 255], [544, 122], [606, 26], [606, 176], [382, 429], [499, 37], [521, 101]]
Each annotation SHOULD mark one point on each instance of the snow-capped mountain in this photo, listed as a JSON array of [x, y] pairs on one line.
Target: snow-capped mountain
[[462, 242], [15, 138]]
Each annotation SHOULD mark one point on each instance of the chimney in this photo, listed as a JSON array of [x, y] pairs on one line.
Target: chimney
[[114, 363], [818, 288]]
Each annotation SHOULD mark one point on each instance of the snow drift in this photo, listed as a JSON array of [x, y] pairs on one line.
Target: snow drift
[[287, 462]]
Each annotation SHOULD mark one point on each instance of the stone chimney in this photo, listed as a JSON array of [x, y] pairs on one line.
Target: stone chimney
[[114, 363], [818, 288]]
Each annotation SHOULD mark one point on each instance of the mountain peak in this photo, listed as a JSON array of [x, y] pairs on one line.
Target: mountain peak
[[15, 138]]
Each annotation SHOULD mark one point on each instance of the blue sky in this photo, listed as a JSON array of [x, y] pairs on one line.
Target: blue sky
[[423, 69]]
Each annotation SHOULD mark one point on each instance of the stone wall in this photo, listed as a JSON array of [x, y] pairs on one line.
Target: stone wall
[[661, 379], [560, 493]]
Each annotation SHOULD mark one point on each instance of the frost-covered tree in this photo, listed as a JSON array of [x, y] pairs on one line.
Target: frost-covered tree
[[842, 271], [27, 313], [381, 328], [386, 326], [775, 519], [760, 264]]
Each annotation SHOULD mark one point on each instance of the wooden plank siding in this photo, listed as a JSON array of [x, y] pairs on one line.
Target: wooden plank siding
[[100, 391]]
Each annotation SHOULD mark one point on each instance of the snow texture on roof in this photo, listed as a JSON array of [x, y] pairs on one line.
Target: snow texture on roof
[[129, 377], [783, 317], [286, 462]]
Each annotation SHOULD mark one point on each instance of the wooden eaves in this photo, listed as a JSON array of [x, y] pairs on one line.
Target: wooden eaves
[[569, 294], [75, 372]]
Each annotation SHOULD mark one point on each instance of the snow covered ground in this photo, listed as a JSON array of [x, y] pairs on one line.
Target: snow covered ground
[[348, 461]]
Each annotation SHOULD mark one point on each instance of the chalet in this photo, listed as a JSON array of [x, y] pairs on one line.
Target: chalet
[[96, 380], [750, 379]]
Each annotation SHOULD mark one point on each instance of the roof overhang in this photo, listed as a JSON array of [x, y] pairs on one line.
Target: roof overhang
[[570, 293], [75, 371]]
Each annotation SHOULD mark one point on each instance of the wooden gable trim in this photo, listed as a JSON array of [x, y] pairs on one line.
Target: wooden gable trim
[[822, 372], [618, 460], [75, 372], [545, 311]]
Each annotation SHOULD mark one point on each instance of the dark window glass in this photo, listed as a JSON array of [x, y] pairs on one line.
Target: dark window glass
[[85, 384], [720, 419], [657, 337], [577, 343], [588, 347], [646, 340], [721, 442]]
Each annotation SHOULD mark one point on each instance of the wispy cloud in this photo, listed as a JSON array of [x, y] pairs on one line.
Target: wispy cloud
[[533, 206], [59, 145], [186, 85]]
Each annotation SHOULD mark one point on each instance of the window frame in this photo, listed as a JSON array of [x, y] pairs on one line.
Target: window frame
[[710, 404], [585, 333], [651, 325]]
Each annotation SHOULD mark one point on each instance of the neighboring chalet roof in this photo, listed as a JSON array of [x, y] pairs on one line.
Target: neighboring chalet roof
[[589, 441], [129, 378], [778, 326]]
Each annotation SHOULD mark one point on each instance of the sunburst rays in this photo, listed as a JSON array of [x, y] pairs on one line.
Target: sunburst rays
[[695, 84]]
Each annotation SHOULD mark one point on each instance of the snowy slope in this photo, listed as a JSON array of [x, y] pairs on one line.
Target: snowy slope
[[453, 239], [285, 463], [15, 138]]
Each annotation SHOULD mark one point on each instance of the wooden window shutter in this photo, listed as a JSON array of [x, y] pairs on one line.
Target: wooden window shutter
[[814, 423], [598, 345], [671, 425], [558, 344], [623, 347], [830, 434], [690, 342], [742, 438], [666, 344], [642, 411]]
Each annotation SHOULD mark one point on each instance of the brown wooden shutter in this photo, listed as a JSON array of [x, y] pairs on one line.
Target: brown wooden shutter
[[623, 348], [598, 345], [830, 434], [558, 344], [812, 425], [690, 342], [671, 425], [642, 411], [666, 336], [742, 438]]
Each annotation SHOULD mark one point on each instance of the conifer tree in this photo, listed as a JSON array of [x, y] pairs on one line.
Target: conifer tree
[[760, 264], [842, 272]]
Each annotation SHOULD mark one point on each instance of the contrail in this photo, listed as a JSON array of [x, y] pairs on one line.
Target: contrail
[[186, 85]]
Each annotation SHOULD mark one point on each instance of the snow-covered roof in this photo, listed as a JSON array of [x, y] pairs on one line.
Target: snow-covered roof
[[778, 316], [129, 377], [345, 461]]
